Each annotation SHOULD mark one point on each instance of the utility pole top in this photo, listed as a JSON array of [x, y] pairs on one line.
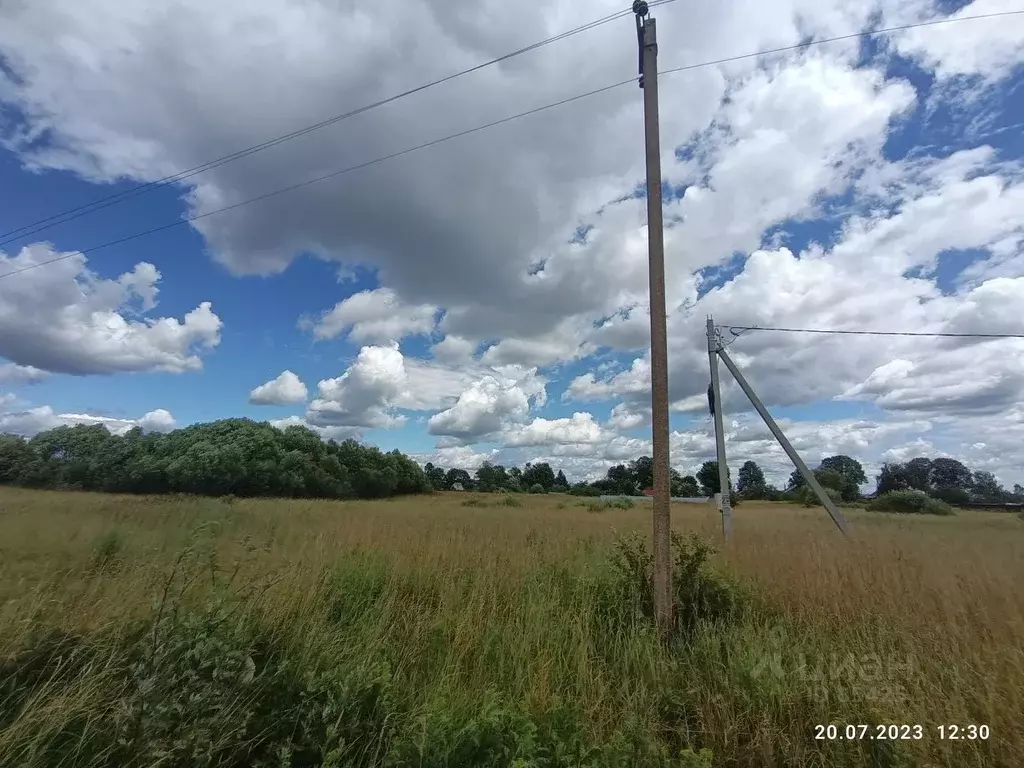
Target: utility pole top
[[714, 336], [640, 9]]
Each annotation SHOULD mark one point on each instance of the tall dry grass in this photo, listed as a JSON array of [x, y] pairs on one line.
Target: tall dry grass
[[469, 613]]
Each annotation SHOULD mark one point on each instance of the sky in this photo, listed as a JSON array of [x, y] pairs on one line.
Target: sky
[[485, 298]]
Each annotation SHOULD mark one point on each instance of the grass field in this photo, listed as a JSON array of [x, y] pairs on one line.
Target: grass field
[[427, 631]]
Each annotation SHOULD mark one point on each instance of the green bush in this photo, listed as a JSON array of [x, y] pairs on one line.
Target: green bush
[[911, 503], [603, 506], [809, 498], [953, 496], [107, 551], [584, 489], [510, 501], [537, 488], [699, 594]]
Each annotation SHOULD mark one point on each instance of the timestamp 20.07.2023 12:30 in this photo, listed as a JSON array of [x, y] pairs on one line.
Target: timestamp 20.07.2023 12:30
[[892, 732]]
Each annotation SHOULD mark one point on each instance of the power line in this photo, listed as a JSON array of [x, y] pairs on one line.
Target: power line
[[734, 328], [308, 182], [318, 179], [105, 202], [840, 38]]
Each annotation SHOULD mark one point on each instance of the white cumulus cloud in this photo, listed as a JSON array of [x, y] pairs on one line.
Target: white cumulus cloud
[[482, 409], [15, 375], [36, 420], [286, 388], [63, 318], [375, 317]]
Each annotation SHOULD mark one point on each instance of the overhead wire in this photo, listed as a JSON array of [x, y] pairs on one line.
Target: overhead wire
[[318, 179], [841, 38], [71, 214], [492, 124], [935, 334]]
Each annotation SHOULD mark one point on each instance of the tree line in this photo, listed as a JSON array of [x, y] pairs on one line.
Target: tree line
[[242, 457], [629, 479], [948, 480], [841, 476], [237, 457]]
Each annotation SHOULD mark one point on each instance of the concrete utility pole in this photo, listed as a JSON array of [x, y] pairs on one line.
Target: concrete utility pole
[[714, 346], [648, 41], [808, 476]]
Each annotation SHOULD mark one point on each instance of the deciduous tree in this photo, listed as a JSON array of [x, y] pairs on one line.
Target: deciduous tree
[[750, 483]]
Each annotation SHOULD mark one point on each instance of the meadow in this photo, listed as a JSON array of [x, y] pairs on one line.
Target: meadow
[[474, 629]]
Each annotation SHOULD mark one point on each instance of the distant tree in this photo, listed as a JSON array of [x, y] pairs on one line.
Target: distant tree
[[796, 480], [830, 478], [642, 472], [491, 477], [985, 487], [515, 479], [852, 474], [751, 483], [891, 477], [458, 477], [539, 474], [950, 473], [1018, 492], [771, 493], [918, 473], [685, 487], [19, 464], [621, 480], [707, 475], [560, 482], [436, 477], [585, 489]]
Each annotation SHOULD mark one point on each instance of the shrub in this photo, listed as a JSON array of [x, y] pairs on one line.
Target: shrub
[[602, 506], [809, 498], [910, 502], [584, 489], [954, 496], [474, 502], [107, 551], [510, 501], [698, 593], [537, 488]]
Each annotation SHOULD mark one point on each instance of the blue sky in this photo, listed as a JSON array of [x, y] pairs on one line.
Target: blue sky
[[857, 185]]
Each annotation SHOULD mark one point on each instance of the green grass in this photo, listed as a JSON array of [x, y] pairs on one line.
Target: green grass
[[154, 631]]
